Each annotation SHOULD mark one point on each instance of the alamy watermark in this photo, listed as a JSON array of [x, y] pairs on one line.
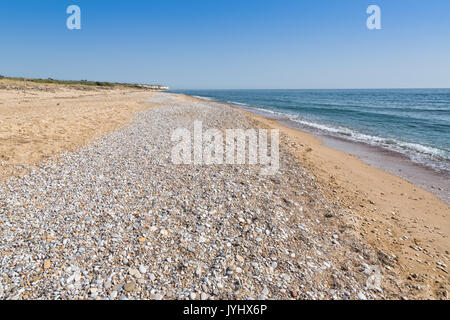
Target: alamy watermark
[[374, 20], [74, 20], [210, 147]]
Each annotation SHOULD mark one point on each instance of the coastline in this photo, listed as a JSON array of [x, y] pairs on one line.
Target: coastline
[[416, 218], [391, 213], [387, 160], [377, 217], [428, 176]]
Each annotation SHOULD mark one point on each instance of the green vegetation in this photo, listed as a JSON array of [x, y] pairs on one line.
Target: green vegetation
[[75, 82]]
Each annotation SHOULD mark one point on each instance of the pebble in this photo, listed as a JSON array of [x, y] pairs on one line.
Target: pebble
[[361, 296], [156, 297], [130, 286], [142, 269], [113, 295], [135, 273], [204, 296]]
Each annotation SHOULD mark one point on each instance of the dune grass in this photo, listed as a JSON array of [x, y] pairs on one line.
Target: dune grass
[[104, 84]]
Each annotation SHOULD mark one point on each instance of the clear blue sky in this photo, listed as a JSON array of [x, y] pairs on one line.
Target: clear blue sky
[[230, 43]]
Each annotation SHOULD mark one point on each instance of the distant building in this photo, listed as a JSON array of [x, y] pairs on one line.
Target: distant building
[[154, 87]]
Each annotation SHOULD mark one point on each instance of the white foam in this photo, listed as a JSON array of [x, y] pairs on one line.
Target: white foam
[[239, 104], [416, 152], [204, 98]]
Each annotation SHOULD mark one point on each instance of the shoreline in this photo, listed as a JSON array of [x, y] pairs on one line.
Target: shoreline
[[391, 213], [380, 198], [387, 160], [379, 218], [394, 162]]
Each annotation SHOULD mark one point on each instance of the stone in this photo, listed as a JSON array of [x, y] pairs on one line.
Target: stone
[[135, 273], [130, 286], [361, 296], [47, 264], [113, 295], [142, 269], [204, 296], [156, 296]]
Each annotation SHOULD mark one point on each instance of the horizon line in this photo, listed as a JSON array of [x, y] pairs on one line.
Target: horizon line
[[178, 89], [374, 88]]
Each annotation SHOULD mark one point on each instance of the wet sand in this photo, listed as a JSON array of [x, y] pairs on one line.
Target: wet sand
[[393, 162]]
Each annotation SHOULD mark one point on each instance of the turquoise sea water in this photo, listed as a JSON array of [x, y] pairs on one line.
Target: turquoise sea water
[[413, 122]]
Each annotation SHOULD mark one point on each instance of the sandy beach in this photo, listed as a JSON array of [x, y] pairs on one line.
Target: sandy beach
[[92, 207], [41, 120]]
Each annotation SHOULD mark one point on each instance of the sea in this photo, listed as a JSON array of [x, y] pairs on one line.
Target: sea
[[408, 124]]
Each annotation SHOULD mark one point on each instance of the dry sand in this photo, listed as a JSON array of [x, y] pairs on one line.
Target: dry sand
[[43, 120]]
